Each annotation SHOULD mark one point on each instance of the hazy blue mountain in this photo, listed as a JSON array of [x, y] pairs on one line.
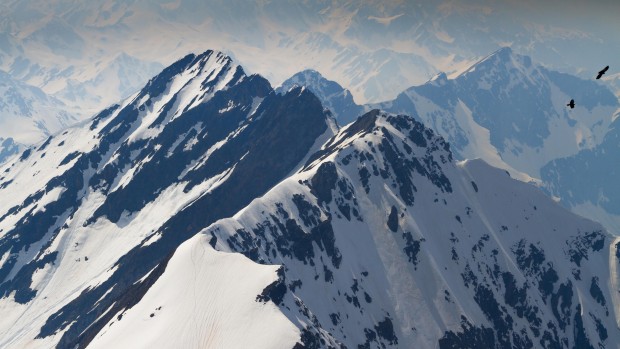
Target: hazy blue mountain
[[374, 48], [27, 114], [8, 148], [588, 181], [507, 108], [333, 96]]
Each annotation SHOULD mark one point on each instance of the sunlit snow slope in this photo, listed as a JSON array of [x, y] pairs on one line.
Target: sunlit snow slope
[[385, 241], [90, 212], [204, 299]]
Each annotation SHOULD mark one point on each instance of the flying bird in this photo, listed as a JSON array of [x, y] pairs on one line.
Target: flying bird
[[602, 72], [571, 104]]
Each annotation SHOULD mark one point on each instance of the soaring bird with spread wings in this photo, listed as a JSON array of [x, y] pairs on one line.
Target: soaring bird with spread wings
[[602, 72]]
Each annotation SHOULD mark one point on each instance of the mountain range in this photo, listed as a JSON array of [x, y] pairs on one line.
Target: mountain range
[[208, 209], [89, 54], [511, 112], [27, 115]]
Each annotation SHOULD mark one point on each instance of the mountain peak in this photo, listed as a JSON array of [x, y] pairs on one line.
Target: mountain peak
[[197, 144], [503, 54], [190, 81], [311, 72], [505, 58], [211, 55]]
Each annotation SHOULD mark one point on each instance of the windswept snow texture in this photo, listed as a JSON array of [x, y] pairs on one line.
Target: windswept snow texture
[[386, 242], [90, 218], [212, 305], [333, 96]]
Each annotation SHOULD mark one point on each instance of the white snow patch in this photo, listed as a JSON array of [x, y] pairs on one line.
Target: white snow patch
[[152, 239], [215, 308]]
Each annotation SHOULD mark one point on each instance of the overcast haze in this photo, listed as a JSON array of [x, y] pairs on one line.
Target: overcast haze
[[375, 48]]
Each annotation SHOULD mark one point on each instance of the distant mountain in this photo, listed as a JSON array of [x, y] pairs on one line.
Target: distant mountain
[[376, 49], [119, 77], [27, 114], [333, 96], [509, 109], [511, 112], [86, 87]]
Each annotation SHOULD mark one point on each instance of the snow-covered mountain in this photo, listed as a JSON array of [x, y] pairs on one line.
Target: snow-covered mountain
[[385, 242], [333, 96], [512, 112], [209, 210], [90, 212]]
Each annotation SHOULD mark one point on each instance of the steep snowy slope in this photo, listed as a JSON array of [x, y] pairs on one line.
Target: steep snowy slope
[[90, 212], [216, 306], [512, 112], [385, 242], [333, 96]]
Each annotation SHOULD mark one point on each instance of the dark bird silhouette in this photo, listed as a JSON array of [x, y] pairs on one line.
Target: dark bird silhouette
[[602, 72], [571, 104]]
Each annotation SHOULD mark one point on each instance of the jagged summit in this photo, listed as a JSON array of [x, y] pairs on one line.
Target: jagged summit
[[113, 197], [504, 54], [200, 75]]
